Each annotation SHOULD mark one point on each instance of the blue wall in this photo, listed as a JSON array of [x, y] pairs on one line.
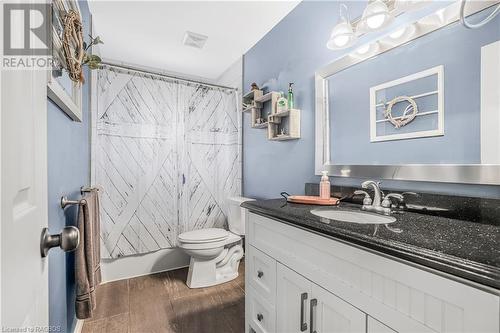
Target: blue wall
[[291, 52], [68, 169]]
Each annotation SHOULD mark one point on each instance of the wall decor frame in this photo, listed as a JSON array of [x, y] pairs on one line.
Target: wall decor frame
[[486, 174], [374, 104], [69, 100]]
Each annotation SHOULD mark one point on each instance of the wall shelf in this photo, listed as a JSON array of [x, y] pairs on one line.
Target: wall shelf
[[252, 95], [288, 121], [249, 103], [272, 95], [249, 109], [284, 138], [262, 125]]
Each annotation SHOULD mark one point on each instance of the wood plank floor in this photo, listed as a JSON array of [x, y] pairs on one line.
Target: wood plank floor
[[163, 303]]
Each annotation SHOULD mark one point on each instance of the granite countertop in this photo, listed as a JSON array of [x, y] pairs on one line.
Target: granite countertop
[[466, 249]]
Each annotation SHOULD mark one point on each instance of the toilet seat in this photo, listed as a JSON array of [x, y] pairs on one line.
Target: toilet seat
[[207, 239], [208, 235]]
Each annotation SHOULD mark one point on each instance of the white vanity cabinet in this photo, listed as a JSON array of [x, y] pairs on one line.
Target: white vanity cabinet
[[298, 281], [304, 306]]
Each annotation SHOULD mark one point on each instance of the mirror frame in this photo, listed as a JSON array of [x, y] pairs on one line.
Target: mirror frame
[[488, 174]]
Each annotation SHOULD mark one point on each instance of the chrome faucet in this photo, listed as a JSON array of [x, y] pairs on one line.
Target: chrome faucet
[[376, 190], [380, 204]]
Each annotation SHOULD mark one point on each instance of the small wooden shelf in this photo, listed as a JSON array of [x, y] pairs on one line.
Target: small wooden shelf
[[262, 125], [284, 113], [255, 100], [284, 138], [250, 108], [289, 120], [252, 95], [272, 95], [249, 100]]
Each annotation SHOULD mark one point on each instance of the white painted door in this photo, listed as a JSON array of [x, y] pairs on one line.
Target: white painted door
[[330, 314], [23, 197], [292, 301]]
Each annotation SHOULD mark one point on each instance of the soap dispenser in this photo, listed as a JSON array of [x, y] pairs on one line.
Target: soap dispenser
[[324, 186], [291, 102]]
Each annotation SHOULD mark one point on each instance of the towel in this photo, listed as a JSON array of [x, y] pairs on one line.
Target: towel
[[88, 256]]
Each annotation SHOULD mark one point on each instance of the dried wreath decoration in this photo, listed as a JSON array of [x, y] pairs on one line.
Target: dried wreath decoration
[[73, 39], [408, 115], [75, 49]]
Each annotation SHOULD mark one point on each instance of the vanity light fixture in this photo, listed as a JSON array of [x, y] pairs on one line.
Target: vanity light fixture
[[368, 49], [363, 49], [403, 33], [376, 16], [342, 35], [408, 5], [398, 33]]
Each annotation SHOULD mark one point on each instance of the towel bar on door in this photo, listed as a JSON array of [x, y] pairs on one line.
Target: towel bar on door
[[84, 189]]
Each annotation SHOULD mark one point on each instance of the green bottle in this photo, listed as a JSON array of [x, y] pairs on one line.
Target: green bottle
[[290, 96]]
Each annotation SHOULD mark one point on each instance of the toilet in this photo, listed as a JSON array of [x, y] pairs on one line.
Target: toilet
[[215, 252]]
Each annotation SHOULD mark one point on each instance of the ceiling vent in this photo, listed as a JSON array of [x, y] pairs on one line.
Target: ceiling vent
[[194, 40]]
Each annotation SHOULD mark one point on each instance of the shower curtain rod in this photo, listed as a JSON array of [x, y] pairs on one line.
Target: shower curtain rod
[[140, 70]]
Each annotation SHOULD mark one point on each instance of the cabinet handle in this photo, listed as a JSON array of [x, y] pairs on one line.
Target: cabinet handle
[[312, 308], [260, 274], [303, 324], [260, 317]]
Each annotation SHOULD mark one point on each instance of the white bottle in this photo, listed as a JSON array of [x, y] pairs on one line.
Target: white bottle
[[324, 186]]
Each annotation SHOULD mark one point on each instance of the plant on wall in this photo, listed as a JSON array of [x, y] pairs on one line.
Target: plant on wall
[[92, 60]]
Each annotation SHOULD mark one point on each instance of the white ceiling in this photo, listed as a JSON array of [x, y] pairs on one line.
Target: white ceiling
[[150, 33]]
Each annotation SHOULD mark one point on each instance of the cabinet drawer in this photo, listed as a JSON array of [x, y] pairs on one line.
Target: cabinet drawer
[[260, 314], [262, 273]]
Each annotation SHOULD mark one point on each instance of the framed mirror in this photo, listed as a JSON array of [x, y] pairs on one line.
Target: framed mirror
[[420, 103]]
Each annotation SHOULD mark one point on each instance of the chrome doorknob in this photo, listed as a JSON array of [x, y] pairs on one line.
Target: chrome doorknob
[[68, 240]]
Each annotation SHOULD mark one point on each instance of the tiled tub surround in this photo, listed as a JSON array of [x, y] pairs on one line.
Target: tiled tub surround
[[463, 241]]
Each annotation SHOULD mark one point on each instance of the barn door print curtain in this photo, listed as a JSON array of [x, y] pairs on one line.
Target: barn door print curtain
[[167, 155]]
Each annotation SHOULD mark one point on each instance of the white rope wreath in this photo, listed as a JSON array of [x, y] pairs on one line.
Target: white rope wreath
[[408, 115]]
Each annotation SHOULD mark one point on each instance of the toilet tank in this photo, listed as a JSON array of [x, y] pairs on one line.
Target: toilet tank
[[236, 215]]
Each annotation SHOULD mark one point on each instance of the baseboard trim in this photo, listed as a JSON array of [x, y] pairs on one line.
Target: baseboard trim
[[78, 326], [144, 274]]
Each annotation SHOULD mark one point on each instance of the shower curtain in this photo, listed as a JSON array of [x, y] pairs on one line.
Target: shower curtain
[[166, 153]]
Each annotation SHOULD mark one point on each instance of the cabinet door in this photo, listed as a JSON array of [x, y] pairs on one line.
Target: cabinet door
[[330, 314], [292, 301]]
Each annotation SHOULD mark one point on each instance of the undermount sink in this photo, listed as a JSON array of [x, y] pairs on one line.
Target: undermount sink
[[353, 217]]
